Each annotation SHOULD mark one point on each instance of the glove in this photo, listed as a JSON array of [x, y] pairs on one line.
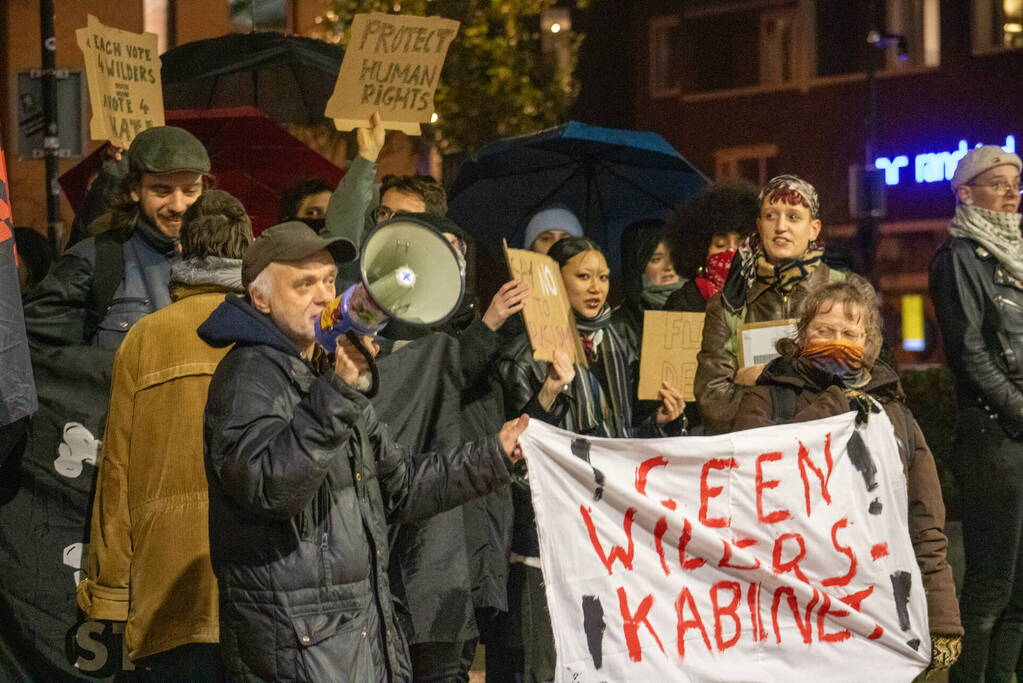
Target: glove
[[944, 651], [862, 404]]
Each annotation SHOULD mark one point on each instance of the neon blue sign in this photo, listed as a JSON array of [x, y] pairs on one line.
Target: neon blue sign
[[931, 167]]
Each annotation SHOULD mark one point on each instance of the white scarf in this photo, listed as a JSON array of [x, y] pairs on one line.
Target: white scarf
[[996, 231]]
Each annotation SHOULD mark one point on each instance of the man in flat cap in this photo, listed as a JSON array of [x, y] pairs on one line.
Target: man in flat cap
[[304, 480], [103, 284], [977, 286]]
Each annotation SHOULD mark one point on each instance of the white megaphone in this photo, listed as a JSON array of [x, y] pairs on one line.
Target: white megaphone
[[410, 273]]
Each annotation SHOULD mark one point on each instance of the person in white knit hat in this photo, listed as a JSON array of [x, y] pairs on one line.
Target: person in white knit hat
[[549, 225], [977, 286]]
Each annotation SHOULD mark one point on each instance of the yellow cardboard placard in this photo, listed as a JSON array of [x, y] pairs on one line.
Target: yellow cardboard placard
[[392, 65], [671, 341], [123, 72], [549, 320]]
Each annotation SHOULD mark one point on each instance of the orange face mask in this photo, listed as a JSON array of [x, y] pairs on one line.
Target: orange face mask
[[836, 357]]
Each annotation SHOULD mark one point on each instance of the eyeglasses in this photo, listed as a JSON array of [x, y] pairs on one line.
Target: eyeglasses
[[1000, 186], [382, 214]]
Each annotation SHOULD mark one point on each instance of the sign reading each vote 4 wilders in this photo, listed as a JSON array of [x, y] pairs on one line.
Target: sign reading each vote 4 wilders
[[931, 167]]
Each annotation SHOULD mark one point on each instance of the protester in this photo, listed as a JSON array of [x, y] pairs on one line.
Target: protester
[[549, 225], [306, 201], [34, 257], [101, 286], [977, 286], [304, 480], [779, 266], [704, 238], [831, 368], [597, 400], [148, 562], [648, 275]]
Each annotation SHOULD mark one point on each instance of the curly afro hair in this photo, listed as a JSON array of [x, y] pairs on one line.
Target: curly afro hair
[[715, 210]]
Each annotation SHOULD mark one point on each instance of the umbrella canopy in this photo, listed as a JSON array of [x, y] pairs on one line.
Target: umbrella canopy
[[609, 178], [252, 157], [288, 77]]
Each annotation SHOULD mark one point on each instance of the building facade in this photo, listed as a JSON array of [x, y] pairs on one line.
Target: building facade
[[752, 88]]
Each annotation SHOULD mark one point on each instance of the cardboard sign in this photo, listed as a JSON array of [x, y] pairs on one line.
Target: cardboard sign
[[757, 340], [549, 319], [671, 341], [392, 65], [123, 72], [772, 554]]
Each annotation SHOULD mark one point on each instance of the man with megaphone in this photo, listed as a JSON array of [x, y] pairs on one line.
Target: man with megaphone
[[304, 480]]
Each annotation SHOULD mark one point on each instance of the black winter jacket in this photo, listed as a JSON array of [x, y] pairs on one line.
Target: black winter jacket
[[303, 484], [980, 311]]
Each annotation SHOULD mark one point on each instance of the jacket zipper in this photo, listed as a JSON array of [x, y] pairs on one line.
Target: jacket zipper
[[1009, 302]]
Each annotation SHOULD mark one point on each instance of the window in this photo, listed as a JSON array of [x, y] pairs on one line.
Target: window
[[997, 25], [842, 28], [664, 43], [258, 15], [920, 22], [754, 163]]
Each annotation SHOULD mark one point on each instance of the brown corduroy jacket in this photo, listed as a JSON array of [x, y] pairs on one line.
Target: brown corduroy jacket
[[926, 507], [149, 557]]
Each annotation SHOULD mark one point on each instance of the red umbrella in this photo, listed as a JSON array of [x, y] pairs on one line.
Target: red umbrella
[[252, 157]]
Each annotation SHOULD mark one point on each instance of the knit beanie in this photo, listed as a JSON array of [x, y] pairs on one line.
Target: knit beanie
[[554, 217]]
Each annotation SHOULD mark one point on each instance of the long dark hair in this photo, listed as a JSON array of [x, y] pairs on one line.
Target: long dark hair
[[563, 250]]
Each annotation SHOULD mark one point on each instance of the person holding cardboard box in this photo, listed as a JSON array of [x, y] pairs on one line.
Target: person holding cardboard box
[[778, 267], [599, 400]]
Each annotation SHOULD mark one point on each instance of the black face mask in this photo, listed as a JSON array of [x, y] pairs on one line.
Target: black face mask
[[317, 224]]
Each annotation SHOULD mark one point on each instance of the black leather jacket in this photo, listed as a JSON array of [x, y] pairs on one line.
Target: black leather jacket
[[980, 310]]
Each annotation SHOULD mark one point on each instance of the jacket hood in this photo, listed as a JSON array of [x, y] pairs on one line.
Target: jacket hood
[[208, 271], [642, 244], [785, 371], [236, 321]]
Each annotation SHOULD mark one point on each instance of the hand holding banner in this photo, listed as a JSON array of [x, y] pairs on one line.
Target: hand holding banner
[[392, 65], [123, 72]]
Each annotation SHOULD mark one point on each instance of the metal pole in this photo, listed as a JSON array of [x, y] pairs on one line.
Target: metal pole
[[51, 139]]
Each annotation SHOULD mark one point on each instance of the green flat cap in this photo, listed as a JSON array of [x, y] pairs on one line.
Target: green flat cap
[[165, 149]]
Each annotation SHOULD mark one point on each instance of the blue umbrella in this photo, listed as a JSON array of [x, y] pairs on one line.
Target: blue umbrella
[[609, 178]]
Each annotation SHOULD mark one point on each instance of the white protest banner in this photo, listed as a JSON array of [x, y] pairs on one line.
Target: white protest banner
[[392, 65], [778, 554], [123, 72]]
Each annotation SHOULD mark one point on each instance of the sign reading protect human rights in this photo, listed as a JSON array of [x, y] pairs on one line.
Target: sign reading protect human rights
[[775, 554], [123, 72], [392, 65], [548, 315]]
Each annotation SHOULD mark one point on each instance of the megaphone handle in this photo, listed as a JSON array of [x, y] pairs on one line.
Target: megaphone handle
[[374, 373]]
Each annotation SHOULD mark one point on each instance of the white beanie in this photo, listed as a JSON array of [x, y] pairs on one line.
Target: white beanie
[[555, 217], [982, 159]]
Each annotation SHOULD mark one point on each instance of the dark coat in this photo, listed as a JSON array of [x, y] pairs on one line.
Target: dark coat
[[980, 311], [303, 484], [926, 509]]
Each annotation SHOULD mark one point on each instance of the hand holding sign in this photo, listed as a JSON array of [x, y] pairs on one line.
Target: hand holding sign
[[559, 377], [123, 73], [392, 65]]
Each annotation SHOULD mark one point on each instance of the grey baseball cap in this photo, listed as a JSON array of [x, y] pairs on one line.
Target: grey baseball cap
[[291, 241]]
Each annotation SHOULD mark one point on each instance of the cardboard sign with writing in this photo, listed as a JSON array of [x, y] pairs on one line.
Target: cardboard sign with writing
[[671, 341], [549, 319], [392, 65], [123, 72], [757, 340]]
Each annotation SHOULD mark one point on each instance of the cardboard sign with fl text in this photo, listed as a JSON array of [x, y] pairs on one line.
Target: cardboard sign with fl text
[[392, 65], [671, 341], [123, 72]]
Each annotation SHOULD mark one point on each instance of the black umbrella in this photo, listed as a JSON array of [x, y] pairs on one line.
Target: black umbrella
[[290, 78]]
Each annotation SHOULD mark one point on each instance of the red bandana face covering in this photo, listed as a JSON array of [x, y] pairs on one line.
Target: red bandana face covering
[[836, 357], [718, 266]]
